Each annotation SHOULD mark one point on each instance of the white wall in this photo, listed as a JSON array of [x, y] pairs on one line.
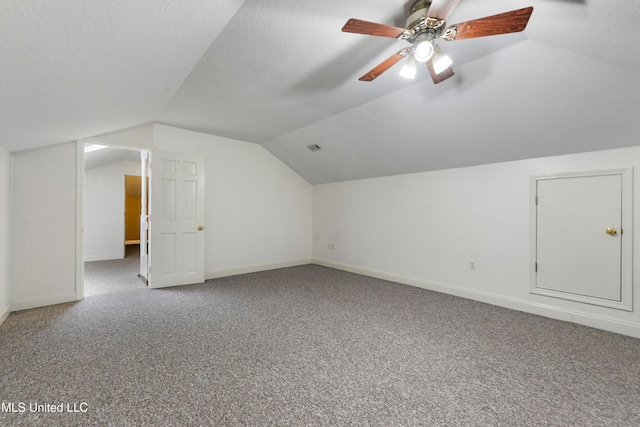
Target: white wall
[[424, 229], [5, 234], [104, 210], [44, 226], [258, 211], [421, 229]]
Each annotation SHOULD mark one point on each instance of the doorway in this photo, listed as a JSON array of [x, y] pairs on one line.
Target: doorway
[[112, 195], [132, 208]]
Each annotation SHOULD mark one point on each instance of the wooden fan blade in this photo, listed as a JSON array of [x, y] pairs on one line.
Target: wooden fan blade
[[372, 28], [441, 9], [503, 23], [383, 66], [444, 75]]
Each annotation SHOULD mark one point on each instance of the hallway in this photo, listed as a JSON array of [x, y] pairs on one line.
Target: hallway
[[107, 277]]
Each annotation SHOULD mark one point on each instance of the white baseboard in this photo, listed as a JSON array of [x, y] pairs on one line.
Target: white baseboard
[[599, 322], [224, 272], [4, 313], [102, 257], [42, 302]]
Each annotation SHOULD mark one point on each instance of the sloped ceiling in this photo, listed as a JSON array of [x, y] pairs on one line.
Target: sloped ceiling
[[281, 73], [107, 156]]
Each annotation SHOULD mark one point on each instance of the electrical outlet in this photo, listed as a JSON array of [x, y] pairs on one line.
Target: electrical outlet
[[331, 246], [472, 265]]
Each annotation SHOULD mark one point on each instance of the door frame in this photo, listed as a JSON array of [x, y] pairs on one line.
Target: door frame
[[626, 301], [80, 200]]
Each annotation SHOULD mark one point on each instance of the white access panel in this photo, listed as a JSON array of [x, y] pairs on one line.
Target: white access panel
[[176, 217], [580, 241]]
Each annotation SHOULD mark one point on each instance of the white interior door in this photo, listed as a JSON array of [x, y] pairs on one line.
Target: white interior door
[[176, 219], [579, 237]]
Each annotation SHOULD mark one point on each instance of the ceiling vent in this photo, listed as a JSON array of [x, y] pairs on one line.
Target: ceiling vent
[[314, 147]]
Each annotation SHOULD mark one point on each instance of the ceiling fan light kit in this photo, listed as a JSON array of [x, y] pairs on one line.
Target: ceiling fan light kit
[[423, 50], [410, 68], [425, 24], [441, 61]]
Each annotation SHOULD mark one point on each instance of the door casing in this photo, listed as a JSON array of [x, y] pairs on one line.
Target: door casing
[[626, 299]]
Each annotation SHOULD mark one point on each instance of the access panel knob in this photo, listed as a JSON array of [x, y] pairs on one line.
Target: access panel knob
[[612, 231], [200, 228]]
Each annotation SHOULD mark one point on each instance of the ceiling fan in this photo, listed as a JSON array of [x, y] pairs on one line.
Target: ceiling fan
[[425, 25]]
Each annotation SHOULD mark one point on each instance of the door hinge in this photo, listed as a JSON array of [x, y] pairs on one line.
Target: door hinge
[[536, 267], [536, 200]]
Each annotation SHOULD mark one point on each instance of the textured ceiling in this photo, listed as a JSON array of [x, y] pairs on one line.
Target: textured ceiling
[[281, 73]]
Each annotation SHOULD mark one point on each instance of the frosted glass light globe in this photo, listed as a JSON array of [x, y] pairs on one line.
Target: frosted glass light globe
[[423, 51]]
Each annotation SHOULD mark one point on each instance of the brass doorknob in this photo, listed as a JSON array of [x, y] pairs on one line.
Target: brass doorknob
[[200, 228], [611, 231]]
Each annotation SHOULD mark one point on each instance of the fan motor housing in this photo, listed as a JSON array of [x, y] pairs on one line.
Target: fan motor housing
[[419, 10]]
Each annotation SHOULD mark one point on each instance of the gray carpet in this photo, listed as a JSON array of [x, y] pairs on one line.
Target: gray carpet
[[311, 346], [106, 277]]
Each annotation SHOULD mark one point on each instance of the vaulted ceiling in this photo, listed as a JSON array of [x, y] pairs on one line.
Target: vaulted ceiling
[[280, 73]]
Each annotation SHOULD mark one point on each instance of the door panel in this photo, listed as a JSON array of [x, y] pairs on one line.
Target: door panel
[[190, 199], [574, 257], [190, 252], [575, 254], [176, 212]]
